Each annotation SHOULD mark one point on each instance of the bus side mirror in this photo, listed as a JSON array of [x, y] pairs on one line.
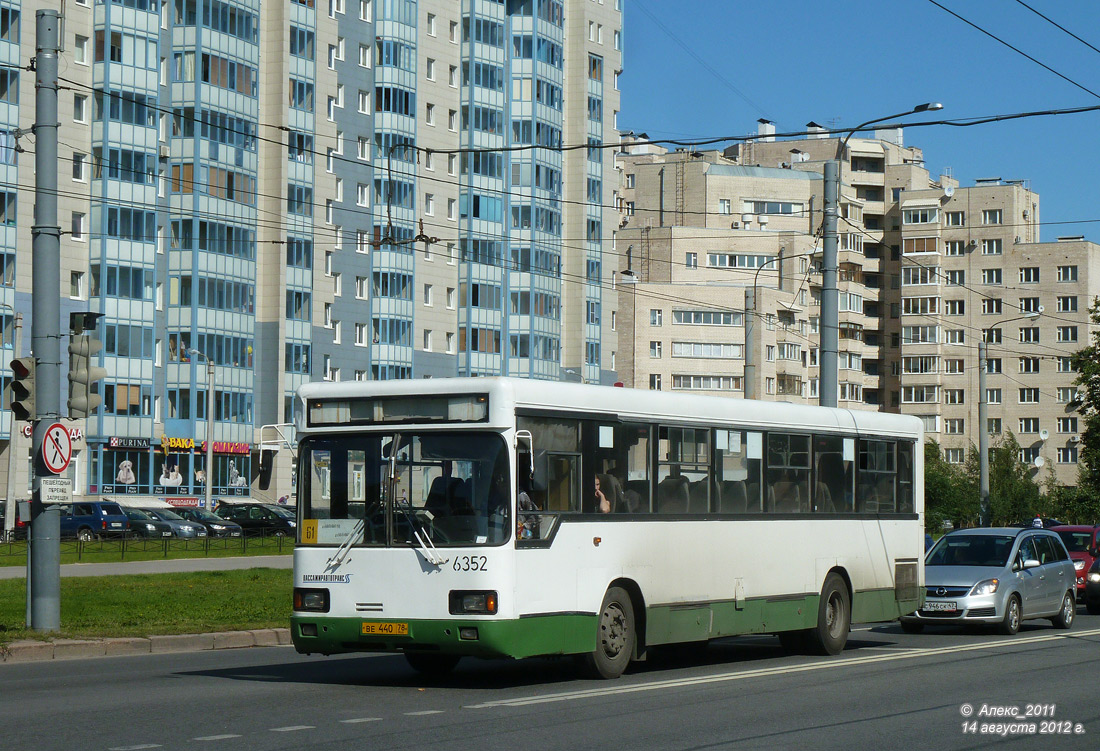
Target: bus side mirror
[[267, 465]]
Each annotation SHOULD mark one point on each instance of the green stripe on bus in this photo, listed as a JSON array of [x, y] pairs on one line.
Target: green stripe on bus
[[569, 633]]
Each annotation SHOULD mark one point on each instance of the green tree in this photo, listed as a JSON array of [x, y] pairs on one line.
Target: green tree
[[1013, 495], [1086, 362], [948, 494]]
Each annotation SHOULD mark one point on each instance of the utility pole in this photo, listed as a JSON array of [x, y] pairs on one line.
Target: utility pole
[[830, 296], [983, 439], [751, 355], [44, 571]]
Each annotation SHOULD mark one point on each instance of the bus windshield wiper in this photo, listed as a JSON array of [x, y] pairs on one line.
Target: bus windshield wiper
[[345, 546], [424, 541]]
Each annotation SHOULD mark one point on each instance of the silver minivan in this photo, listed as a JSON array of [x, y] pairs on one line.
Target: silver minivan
[[997, 576]]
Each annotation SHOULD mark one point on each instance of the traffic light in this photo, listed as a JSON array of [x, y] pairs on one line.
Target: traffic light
[[82, 375], [22, 388]]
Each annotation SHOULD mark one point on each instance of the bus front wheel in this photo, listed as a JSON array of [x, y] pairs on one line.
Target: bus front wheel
[[432, 664], [834, 618], [615, 635]]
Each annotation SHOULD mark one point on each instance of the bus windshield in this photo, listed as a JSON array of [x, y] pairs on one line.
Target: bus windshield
[[452, 488]]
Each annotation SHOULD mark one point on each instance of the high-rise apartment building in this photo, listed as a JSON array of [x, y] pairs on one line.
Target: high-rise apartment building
[[927, 269], [372, 189]]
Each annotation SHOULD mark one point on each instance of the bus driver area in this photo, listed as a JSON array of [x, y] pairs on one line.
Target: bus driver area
[[499, 517]]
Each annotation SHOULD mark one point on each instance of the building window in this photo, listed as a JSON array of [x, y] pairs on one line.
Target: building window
[[1067, 273], [991, 306], [1067, 424], [691, 260], [80, 108], [654, 381], [78, 226], [955, 219], [1029, 396], [76, 285], [992, 396], [1067, 304], [954, 426], [993, 426], [954, 456], [1029, 304], [1029, 424], [1029, 364], [991, 276], [991, 216], [992, 247], [954, 248], [1029, 335], [1067, 333], [656, 316], [1029, 275], [655, 350], [1067, 454]]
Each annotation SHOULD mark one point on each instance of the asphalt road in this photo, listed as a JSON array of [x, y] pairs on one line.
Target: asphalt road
[[887, 690]]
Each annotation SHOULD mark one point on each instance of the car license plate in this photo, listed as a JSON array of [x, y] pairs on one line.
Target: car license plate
[[234, 534], [116, 524], [165, 534], [940, 606], [385, 629]]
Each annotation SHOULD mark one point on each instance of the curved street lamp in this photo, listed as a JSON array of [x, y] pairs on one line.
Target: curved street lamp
[[830, 302]]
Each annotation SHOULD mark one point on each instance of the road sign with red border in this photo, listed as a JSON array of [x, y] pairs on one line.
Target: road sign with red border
[[57, 448]]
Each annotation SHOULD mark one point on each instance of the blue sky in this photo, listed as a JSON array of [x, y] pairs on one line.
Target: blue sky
[[841, 62]]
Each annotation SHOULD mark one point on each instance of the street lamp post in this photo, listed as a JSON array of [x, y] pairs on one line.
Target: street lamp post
[[983, 425], [830, 300], [209, 474], [752, 352]]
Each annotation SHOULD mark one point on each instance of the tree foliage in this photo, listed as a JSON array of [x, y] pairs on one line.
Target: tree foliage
[[948, 492], [1014, 496], [1086, 362]]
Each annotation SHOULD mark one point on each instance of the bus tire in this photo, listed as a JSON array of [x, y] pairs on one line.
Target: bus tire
[[432, 664], [834, 618], [615, 636]]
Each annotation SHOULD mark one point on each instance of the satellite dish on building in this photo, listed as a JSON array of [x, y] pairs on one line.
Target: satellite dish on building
[[1039, 461], [949, 191], [1044, 434]]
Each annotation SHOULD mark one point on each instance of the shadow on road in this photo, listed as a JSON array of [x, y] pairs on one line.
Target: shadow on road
[[390, 670]]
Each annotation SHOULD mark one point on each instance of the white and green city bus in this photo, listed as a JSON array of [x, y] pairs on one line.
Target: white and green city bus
[[445, 518]]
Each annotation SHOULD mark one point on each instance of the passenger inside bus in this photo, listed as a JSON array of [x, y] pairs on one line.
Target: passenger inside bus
[[672, 492], [609, 494]]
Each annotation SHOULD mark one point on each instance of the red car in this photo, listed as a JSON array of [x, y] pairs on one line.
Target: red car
[[1082, 541]]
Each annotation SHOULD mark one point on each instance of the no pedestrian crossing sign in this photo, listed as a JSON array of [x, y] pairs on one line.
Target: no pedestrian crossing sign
[[57, 448]]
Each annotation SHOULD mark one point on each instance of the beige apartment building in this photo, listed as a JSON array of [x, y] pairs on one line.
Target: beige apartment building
[[926, 270]]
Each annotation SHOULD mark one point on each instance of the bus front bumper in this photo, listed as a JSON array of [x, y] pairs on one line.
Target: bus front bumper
[[490, 638]]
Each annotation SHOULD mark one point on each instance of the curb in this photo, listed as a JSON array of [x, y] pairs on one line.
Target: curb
[[30, 650]]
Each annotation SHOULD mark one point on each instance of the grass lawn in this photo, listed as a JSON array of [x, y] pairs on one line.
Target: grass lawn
[[149, 604]]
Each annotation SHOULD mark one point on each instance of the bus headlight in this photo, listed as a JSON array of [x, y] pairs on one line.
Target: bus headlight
[[313, 600], [1094, 576], [465, 602]]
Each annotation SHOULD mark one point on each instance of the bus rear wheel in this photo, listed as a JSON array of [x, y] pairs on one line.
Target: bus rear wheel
[[434, 665], [615, 636], [834, 618]]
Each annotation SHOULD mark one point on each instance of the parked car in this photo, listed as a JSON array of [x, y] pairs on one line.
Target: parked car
[[87, 520], [143, 525], [1092, 588], [997, 576], [19, 529], [180, 526], [259, 518], [1083, 543], [215, 525]]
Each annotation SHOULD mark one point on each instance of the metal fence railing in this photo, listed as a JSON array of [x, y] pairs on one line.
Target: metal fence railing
[[121, 547]]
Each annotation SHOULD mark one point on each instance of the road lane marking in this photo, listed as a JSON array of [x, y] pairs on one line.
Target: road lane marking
[[424, 712], [292, 728], [781, 670], [224, 736], [361, 719], [135, 748]]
